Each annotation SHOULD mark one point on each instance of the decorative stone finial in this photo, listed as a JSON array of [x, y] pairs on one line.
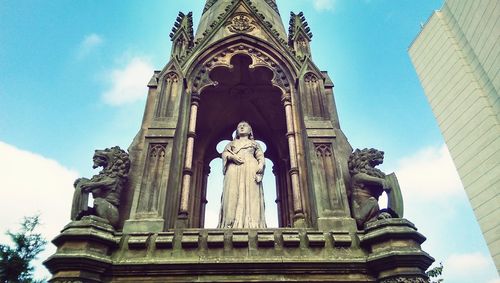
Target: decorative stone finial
[[182, 35], [299, 35]]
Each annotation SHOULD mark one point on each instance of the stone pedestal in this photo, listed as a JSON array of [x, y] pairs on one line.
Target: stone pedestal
[[84, 250], [394, 252], [89, 251]]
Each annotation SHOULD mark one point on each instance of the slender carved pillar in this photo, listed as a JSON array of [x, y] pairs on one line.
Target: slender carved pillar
[[188, 161], [279, 194], [204, 201], [294, 170]]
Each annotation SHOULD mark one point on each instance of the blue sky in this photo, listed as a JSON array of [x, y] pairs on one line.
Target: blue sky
[[74, 74]]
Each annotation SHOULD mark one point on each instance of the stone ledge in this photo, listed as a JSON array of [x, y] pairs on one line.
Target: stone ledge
[[137, 242], [390, 229], [190, 239], [316, 239], [240, 239], [215, 239], [342, 239], [165, 240], [265, 239], [291, 239]]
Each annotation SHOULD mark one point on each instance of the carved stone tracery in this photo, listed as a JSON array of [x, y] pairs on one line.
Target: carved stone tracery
[[323, 150], [314, 96], [168, 95], [330, 199], [155, 171], [172, 78], [223, 58]]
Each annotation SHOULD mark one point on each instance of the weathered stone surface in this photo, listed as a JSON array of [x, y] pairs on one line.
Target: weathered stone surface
[[106, 187], [239, 66], [367, 185], [242, 193], [394, 246], [388, 247]]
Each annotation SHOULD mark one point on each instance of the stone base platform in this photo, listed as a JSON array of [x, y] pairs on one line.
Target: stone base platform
[[90, 251]]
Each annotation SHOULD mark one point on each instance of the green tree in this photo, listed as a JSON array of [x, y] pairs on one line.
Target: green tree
[[435, 273], [15, 259]]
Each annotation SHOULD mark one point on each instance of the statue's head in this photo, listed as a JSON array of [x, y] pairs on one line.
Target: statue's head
[[114, 161], [100, 159], [365, 160], [244, 129]]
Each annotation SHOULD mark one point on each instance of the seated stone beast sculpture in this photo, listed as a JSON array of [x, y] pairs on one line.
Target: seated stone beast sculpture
[[106, 187], [367, 185]]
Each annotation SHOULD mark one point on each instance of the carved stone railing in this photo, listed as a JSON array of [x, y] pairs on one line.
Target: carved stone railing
[[91, 251]]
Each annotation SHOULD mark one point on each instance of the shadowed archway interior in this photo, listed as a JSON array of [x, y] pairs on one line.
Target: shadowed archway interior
[[241, 93]]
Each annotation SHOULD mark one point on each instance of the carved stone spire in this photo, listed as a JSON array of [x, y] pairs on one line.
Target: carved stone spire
[[216, 10], [271, 3], [182, 35], [299, 35]]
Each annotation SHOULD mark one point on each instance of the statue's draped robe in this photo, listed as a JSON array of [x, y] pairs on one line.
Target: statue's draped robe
[[242, 195]]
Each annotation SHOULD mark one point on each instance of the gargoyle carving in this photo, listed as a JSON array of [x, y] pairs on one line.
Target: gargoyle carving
[[105, 187], [367, 185]]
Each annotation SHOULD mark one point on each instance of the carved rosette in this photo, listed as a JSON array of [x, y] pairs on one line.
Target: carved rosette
[[241, 23], [310, 78], [222, 58]]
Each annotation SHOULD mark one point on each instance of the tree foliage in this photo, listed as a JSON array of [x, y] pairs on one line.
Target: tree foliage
[[435, 274], [15, 259]]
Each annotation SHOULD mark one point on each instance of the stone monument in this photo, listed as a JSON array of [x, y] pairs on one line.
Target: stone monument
[[240, 68]]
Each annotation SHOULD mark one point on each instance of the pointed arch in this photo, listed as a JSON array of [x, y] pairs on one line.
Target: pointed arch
[[283, 69]]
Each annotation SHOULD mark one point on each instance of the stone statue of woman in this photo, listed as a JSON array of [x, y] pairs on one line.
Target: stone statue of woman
[[242, 195]]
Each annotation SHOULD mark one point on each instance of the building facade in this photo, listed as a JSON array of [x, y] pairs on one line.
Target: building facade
[[457, 58]]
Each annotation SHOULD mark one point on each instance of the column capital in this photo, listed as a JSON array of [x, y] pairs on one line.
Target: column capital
[[195, 97], [286, 98]]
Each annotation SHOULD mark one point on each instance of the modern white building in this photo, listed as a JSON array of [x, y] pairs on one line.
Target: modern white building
[[457, 58]]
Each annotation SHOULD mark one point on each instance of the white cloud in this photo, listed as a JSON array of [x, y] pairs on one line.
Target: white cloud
[[33, 184], [89, 43], [324, 5], [436, 202], [428, 179], [470, 265], [128, 84], [429, 173]]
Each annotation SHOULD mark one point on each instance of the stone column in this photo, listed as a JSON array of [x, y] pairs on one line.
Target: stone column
[[188, 161], [298, 217]]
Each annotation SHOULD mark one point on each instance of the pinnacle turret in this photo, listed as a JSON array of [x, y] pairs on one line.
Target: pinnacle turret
[[182, 35], [299, 35]]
